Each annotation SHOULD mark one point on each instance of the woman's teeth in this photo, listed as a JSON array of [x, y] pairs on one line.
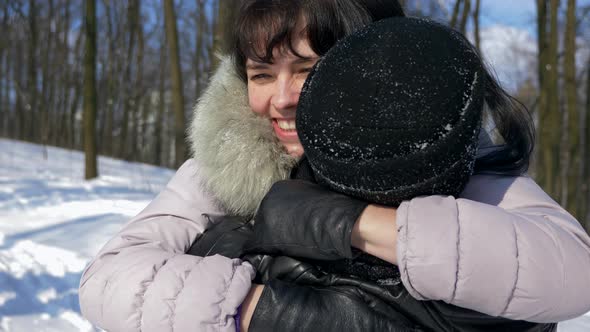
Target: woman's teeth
[[286, 124]]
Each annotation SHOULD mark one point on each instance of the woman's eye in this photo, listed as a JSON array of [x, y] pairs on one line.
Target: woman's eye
[[259, 77]]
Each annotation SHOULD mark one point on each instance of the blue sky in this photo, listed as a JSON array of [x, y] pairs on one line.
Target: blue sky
[[516, 13]]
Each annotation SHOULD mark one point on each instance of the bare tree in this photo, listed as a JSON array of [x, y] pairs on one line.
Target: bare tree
[[128, 102], [138, 92], [111, 82], [63, 49], [226, 13], [201, 23], [553, 116], [47, 82], [77, 92], [455, 15], [571, 182], [4, 115], [158, 130], [465, 16], [476, 32], [177, 89], [31, 95], [548, 106], [91, 169]]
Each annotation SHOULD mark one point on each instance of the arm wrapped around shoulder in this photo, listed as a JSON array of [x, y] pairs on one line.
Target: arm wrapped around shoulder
[[505, 248]]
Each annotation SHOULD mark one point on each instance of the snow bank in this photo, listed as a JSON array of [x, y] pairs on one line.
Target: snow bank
[[29, 257]]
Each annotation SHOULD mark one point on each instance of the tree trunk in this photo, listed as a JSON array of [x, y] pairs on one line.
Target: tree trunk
[[77, 86], [542, 99], [4, 111], [31, 96], [9, 114], [212, 30], [573, 180], [552, 126], [111, 86], [138, 93], [177, 90], [549, 116], [47, 80], [476, 25], [63, 49], [198, 61], [61, 114], [91, 169], [72, 132], [58, 62], [161, 107], [226, 14], [455, 15], [466, 10], [128, 100], [19, 107]]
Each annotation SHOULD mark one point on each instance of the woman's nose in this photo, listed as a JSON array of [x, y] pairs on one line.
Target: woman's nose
[[286, 95]]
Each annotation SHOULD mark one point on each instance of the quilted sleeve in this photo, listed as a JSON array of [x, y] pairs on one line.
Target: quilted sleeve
[[142, 280], [505, 249]]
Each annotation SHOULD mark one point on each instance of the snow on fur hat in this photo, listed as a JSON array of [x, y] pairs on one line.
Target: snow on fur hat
[[393, 111]]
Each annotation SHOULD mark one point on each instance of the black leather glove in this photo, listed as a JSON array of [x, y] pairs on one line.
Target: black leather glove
[[301, 219], [289, 307], [226, 236], [281, 267], [292, 270]]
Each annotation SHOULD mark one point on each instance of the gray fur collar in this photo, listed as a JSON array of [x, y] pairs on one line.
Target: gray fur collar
[[237, 152]]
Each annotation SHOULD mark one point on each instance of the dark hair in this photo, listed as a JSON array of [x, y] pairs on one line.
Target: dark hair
[[514, 124], [263, 25]]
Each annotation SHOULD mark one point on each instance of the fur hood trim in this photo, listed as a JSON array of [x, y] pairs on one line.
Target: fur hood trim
[[238, 154]]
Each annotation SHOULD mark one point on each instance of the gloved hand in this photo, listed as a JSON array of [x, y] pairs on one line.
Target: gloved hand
[[302, 219], [281, 267], [287, 307], [226, 236], [300, 272]]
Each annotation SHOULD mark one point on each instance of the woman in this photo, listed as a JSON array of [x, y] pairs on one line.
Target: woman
[[142, 280]]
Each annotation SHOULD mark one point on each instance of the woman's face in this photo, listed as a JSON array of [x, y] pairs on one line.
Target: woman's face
[[273, 90]]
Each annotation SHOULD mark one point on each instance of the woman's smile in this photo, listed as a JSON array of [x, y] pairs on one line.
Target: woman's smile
[[285, 129]]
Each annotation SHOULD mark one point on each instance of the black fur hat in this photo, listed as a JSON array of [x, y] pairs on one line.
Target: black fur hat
[[393, 111]]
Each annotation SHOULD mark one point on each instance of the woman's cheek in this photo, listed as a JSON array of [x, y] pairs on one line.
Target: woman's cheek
[[258, 101]]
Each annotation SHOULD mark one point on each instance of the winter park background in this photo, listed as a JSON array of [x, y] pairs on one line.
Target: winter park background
[[52, 220]]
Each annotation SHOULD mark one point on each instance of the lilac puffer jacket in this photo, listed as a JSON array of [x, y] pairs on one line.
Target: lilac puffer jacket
[[503, 248]]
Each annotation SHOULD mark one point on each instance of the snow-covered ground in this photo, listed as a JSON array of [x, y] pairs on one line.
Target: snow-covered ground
[[52, 222]]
